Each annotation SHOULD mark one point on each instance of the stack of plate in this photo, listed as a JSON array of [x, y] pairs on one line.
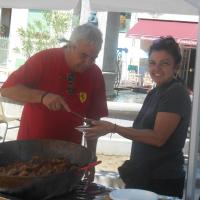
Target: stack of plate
[[132, 194]]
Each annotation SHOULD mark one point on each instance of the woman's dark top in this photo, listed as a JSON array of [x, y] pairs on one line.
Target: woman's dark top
[[148, 162]]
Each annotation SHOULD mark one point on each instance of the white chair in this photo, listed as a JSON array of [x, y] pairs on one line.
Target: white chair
[[6, 117]]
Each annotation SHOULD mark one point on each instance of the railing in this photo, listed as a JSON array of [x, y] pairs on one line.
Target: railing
[[4, 46]]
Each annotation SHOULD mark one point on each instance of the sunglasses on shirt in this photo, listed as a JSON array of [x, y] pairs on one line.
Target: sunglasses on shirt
[[70, 83]]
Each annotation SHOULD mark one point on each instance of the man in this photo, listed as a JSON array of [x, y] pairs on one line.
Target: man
[[56, 81]]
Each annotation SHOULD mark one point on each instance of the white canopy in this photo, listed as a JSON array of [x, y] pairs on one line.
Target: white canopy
[[39, 4], [152, 6]]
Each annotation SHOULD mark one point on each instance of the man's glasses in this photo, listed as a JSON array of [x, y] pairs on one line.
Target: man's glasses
[[70, 83], [84, 56]]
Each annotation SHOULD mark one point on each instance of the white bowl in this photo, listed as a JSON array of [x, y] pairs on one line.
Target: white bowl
[[132, 194]]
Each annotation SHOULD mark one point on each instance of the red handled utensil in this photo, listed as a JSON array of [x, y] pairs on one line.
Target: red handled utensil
[[85, 119], [90, 165]]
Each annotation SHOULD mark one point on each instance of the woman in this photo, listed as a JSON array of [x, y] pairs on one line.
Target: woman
[[160, 129]]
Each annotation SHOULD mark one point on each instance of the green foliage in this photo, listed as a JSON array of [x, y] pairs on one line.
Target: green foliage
[[3, 30], [45, 32]]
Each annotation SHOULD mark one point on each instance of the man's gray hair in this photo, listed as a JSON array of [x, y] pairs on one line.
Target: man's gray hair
[[87, 33]]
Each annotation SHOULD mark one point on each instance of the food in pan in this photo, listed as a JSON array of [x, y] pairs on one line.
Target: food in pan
[[37, 166]]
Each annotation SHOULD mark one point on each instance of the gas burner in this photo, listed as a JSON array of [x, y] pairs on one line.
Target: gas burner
[[83, 191]]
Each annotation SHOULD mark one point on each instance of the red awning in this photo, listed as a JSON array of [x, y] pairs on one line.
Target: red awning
[[183, 32]]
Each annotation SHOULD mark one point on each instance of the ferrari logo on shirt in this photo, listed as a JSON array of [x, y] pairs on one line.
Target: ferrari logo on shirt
[[83, 96]]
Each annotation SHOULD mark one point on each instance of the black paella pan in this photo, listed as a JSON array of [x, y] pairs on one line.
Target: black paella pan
[[42, 187]]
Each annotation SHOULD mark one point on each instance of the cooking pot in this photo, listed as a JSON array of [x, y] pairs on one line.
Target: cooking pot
[[42, 187]]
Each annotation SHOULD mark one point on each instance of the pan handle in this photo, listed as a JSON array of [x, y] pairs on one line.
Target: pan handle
[[90, 165]]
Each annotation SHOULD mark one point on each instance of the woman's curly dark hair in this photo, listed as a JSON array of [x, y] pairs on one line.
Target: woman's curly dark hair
[[168, 44]]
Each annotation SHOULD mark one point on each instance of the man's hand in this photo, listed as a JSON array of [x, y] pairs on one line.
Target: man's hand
[[55, 102]]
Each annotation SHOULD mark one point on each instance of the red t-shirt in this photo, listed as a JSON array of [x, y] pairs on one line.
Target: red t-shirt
[[48, 70]]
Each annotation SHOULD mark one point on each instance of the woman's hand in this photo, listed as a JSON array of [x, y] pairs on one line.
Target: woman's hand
[[98, 129]]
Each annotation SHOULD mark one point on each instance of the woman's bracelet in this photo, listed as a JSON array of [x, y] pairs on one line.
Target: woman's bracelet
[[115, 128], [42, 97]]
